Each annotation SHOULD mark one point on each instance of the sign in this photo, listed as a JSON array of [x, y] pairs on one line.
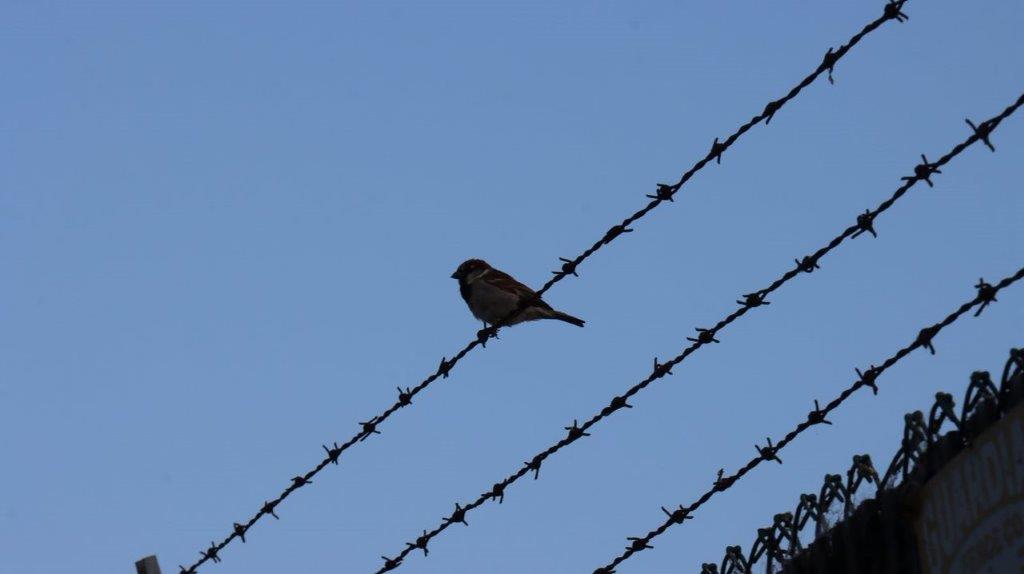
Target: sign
[[972, 513]]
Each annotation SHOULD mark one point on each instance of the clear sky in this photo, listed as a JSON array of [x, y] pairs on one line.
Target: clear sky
[[227, 231]]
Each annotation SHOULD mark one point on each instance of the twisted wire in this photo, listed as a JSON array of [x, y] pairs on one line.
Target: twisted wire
[[868, 378], [705, 336], [664, 193]]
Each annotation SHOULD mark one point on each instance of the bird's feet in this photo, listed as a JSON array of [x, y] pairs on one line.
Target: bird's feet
[[487, 332]]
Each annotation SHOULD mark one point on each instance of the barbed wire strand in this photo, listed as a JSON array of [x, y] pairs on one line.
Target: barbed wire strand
[[864, 224], [868, 378], [664, 193], [984, 404]]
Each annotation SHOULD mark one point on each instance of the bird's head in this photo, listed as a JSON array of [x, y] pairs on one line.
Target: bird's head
[[470, 267]]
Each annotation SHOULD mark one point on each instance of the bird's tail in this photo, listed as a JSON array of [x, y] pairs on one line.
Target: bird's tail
[[566, 317]]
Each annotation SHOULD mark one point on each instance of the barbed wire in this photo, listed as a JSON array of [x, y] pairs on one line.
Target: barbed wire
[[705, 336], [983, 404], [868, 378], [919, 435], [780, 541], [664, 193]]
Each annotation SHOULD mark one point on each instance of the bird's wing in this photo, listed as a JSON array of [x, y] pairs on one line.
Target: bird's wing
[[506, 282]]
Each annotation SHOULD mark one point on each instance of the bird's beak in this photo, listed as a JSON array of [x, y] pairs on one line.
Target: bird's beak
[[455, 275]]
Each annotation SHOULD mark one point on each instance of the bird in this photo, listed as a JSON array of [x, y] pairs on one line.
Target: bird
[[492, 295]]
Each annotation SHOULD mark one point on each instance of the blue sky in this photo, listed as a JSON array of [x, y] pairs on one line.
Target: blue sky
[[228, 231]]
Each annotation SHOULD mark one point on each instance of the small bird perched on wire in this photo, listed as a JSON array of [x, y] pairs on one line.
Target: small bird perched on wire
[[492, 295]]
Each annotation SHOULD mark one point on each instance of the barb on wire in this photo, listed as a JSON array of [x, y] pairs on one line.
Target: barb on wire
[[986, 292], [664, 193], [863, 470], [982, 404]]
